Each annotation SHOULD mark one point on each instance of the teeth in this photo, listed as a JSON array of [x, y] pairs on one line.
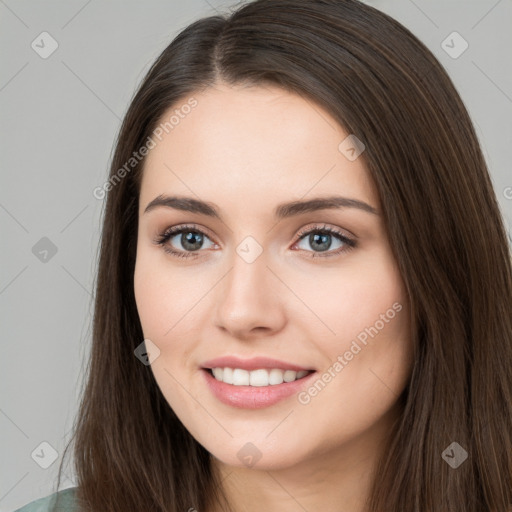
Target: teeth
[[240, 377], [257, 378], [275, 376], [218, 373], [227, 375], [289, 376]]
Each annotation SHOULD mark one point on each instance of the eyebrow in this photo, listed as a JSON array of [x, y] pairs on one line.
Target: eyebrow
[[282, 211]]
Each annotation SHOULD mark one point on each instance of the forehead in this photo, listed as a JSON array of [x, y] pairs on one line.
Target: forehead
[[254, 145]]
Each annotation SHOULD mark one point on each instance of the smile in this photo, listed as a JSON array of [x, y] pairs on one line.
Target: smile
[[257, 378], [268, 387]]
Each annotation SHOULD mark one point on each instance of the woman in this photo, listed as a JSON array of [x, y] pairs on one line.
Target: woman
[[304, 289]]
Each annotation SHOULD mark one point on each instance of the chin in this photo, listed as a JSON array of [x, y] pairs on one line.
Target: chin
[[259, 455]]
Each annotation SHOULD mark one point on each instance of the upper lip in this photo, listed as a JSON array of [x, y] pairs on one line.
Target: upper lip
[[255, 363]]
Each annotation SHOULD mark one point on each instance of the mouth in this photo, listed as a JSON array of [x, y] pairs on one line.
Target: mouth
[[255, 389], [261, 377]]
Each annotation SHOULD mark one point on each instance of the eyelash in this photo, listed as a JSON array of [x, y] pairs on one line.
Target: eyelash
[[162, 239]]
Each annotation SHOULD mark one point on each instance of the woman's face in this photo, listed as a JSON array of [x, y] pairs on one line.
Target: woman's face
[[259, 277]]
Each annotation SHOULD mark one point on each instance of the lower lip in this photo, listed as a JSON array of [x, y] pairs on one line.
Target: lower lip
[[253, 397]]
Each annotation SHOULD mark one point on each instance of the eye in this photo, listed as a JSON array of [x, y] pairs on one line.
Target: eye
[[190, 238], [321, 238]]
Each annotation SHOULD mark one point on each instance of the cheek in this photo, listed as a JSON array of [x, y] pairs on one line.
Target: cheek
[[149, 298], [352, 297], [162, 294], [162, 304], [159, 297], [367, 312], [170, 304]]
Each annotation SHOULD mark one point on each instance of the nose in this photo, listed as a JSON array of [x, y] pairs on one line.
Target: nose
[[250, 300]]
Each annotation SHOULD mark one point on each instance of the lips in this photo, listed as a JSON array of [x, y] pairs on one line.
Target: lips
[[260, 394], [255, 363]]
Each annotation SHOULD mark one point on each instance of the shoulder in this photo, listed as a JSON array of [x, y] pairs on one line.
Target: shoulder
[[66, 503]]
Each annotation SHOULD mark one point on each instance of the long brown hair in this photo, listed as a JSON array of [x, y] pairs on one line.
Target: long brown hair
[[382, 84]]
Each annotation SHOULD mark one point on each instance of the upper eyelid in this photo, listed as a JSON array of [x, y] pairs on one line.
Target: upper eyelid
[[328, 228], [175, 230]]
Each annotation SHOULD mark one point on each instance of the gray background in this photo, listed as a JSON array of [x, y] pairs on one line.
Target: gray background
[[59, 119]]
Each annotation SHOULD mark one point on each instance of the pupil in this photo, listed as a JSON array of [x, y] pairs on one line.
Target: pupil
[[187, 240], [322, 239]]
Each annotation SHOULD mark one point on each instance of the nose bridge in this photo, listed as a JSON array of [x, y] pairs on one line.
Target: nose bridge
[[248, 262], [246, 299], [248, 277]]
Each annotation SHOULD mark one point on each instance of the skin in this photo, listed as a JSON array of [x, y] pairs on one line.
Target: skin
[[248, 149]]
